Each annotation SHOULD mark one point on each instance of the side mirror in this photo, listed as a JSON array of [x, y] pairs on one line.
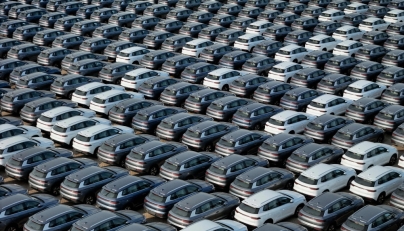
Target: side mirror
[[40, 205], [291, 201], [400, 175]]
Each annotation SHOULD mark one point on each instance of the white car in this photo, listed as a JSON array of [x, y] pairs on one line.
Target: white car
[[291, 53], [133, 79], [377, 182], [47, 119], [195, 47], [321, 42], [89, 140], [268, 206], [221, 78], [84, 94], [323, 178], [258, 27], [367, 154], [284, 71], [131, 55], [374, 24], [347, 48], [364, 88], [15, 144], [328, 104], [288, 122], [356, 8], [332, 15], [247, 42], [9, 130], [394, 16], [220, 225], [103, 102], [347, 33], [64, 131]]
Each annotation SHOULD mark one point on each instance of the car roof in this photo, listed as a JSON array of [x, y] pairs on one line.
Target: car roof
[[94, 219], [323, 119], [361, 84], [229, 31], [57, 111], [49, 165], [90, 86], [260, 198], [348, 42], [230, 160], [285, 115], [191, 202], [220, 71], [367, 213], [363, 147], [260, 22], [85, 173], [197, 41], [132, 49], [109, 94], [12, 140], [48, 214], [72, 120], [253, 106], [121, 183], [324, 200], [319, 37], [346, 28], [351, 128], [236, 135], [40, 101], [290, 47], [374, 172], [318, 170], [331, 11], [372, 19], [119, 138], [309, 149], [285, 65], [13, 199], [366, 64], [325, 98], [90, 131], [254, 174], [395, 11], [170, 186]]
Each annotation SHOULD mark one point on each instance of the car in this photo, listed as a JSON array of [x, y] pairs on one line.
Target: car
[[32, 15], [354, 133], [25, 51], [221, 204], [131, 55], [109, 31], [59, 217], [356, 8], [177, 64], [307, 23], [394, 58], [95, 45], [298, 98], [11, 120], [235, 59], [258, 27], [285, 19], [325, 127], [228, 37], [383, 217], [328, 104], [192, 29], [276, 5], [225, 77], [6, 6], [26, 33], [66, 23], [249, 41], [49, 118], [6, 45], [103, 102], [85, 27], [267, 48], [375, 37], [155, 39], [277, 32], [295, 7], [21, 69], [371, 53], [367, 154], [126, 189], [372, 23], [11, 189], [297, 37], [195, 47], [66, 85], [364, 110], [334, 83], [20, 165], [254, 116], [86, 67], [367, 70], [321, 42], [169, 25], [19, 207], [104, 14], [288, 122], [135, 34], [157, 203], [393, 94], [278, 148], [152, 226], [179, 13], [284, 71], [199, 101], [231, 9], [53, 56], [84, 94], [341, 64], [153, 87], [333, 15], [123, 19], [348, 33], [210, 6], [15, 100], [396, 199], [267, 205], [394, 42], [347, 48], [187, 165], [33, 110], [156, 151], [327, 28], [329, 210], [214, 53], [313, 11], [134, 79], [395, 29], [10, 27], [241, 23], [240, 142], [394, 15], [114, 72], [46, 37], [364, 88], [308, 77], [353, 19], [61, 166], [316, 59], [377, 192], [223, 109], [86, 11], [389, 118], [213, 225], [176, 43], [155, 59], [271, 92], [110, 220], [201, 16]]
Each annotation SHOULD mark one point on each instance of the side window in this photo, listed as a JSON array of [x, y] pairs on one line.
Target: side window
[[179, 194], [335, 207], [15, 209]]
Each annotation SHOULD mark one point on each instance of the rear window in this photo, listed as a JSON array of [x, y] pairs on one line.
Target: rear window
[[157, 198], [271, 147], [14, 162], [307, 180], [276, 122], [181, 212], [171, 166], [193, 134], [137, 156], [355, 225], [355, 156], [83, 138], [108, 148], [313, 211], [249, 209], [344, 136], [356, 108], [227, 143], [218, 170], [59, 129], [71, 184], [108, 194], [317, 104], [33, 225], [300, 158], [45, 119], [243, 184], [364, 182], [38, 174]]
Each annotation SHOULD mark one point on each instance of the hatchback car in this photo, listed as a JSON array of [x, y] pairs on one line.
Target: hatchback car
[[199, 101], [271, 92], [394, 94], [14, 101], [355, 133], [325, 127], [241, 142], [288, 122]]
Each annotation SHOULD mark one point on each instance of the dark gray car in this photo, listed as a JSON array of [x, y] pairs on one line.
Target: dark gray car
[[27, 69], [17, 209], [155, 59], [82, 185], [175, 43], [155, 39], [212, 206], [260, 178], [241, 23], [329, 210], [8, 28], [312, 154], [108, 31], [6, 44], [53, 56], [59, 217], [215, 52], [66, 23], [133, 35], [68, 41], [308, 77], [85, 27], [153, 226], [114, 48], [192, 28], [299, 98], [179, 13], [205, 135], [364, 110], [176, 94], [95, 45], [222, 172], [200, 16], [173, 127], [87, 67], [78, 56], [327, 28], [7, 66], [20, 165], [254, 116], [124, 111], [33, 109], [146, 22], [26, 51], [48, 176], [169, 25], [260, 65], [123, 19], [278, 148], [114, 72], [66, 85], [26, 33], [86, 11], [114, 150], [11, 120], [229, 36], [224, 108], [199, 101], [127, 192], [148, 157], [162, 198], [317, 59], [153, 87], [334, 84], [324, 127], [103, 14], [187, 165], [394, 94], [355, 133], [268, 48], [14, 101], [11, 189], [389, 118]]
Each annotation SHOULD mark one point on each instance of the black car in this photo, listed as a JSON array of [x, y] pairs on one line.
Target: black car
[[27, 51], [153, 87], [245, 86], [113, 73], [394, 57], [251, 12], [169, 25], [391, 76], [327, 28], [133, 35], [85, 27], [235, 59], [342, 64], [395, 29], [196, 72], [53, 56], [199, 101], [364, 110], [155, 59], [86, 11], [95, 45], [277, 32], [11, 120], [375, 37], [46, 37], [29, 69], [254, 116], [26, 33], [271, 92], [68, 41], [354, 19], [295, 7], [224, 108], [48, 20], [278, 148], [123, 19], [6, 44], [298, 37], [228, 37], [334, 84], [215, 52], [113, 49], [286, 19], [157, 10], [6, 6], [176, 94], [371, 53], [147, 120], [390, 117], [86, 67], [211, 32], [308, 77], [377, 11], [178, 13]]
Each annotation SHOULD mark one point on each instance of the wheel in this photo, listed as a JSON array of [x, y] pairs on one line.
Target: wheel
[[269, 221], [331, 227], [381, 198], [225, 88], [393, 160], [289, 185], [292, 132], [229, 120], [232, 214], [154, 170], [380, 139], [122, 163], [370, 166], [257, 126], [325, 191], [70, 95], [324, 49], [304, 109], [128, 207], [295, 61], [340, 93], [209, 148], [118, 82], [288, 81], [55, 190], [11, 228], [369, 121], [298, 210], [90, 199], [95, 151], [348, 184]]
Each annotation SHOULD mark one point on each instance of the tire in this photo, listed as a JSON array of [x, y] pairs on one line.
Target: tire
[[295, 61], [393, 160], [370, 121], [118, 82], [128, 207], [370, 166], [304, 109], [70, 95], [90, 199], [122, 163], [381, 198], [380, 139], [288, 81], [331, 227], [55, 190], [326, 191], [11, 228], [324, 49], [257, 126], [225, 88], [154, 170], [289, 185], [95, 151], [232, 214], [298, 210], [348, 184], [292, 132], [209, 148], [269, 221]]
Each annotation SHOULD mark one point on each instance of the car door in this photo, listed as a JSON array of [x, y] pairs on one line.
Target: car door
[[286, 206], [385, 222], [301, 124], [339, 179], [275, 181]]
